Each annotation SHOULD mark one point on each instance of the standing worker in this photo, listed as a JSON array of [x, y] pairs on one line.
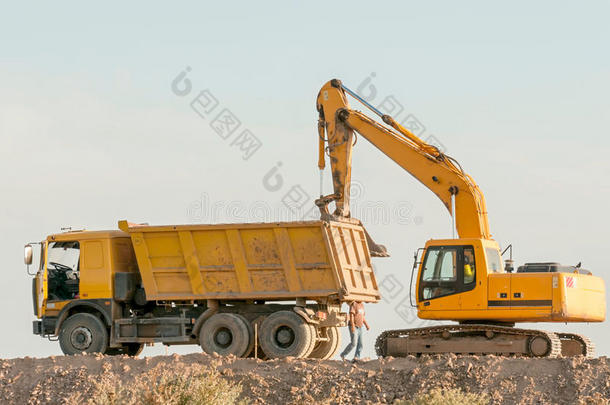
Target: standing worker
[[355, 324]]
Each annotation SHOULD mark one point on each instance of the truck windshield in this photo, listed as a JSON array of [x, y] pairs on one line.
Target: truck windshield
[[447, 270], [439, 275]]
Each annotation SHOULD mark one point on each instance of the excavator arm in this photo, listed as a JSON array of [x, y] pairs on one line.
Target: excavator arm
[[437, 171]]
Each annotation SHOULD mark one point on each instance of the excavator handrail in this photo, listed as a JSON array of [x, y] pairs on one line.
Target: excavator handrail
[[391, 122]]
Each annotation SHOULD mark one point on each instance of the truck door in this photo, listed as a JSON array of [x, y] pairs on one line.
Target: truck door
[[62, 271]]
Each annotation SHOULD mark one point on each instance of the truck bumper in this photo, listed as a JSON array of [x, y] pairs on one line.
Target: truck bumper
[[37, 327], [45, 326]]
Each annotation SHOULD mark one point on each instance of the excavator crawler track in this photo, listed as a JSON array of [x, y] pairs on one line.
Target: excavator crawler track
[[469, 339], [573, 344]]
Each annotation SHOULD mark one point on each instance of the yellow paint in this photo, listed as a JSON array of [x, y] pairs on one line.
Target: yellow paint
[[282, 261], [584, 302], [95, 269], [102, 254], [315, 260], [192, 262], [288, 262]]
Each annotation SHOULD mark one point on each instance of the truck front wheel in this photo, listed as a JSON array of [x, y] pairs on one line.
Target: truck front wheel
[[83, 333]]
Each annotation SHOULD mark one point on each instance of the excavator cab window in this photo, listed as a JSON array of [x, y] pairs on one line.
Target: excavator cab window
[[494, 261], [447, 270]]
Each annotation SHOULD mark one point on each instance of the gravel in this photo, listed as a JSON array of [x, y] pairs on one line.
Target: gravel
[[58, 380]]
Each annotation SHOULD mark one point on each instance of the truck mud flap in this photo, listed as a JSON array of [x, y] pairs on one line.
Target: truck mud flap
[[37, 327]]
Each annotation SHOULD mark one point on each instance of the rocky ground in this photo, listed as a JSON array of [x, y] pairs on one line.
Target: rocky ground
[[58, 380]]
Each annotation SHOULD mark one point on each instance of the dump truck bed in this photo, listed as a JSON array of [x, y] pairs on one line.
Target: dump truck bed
[[256, 261]]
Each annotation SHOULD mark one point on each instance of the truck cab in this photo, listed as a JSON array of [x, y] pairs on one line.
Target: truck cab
[[76, 275]]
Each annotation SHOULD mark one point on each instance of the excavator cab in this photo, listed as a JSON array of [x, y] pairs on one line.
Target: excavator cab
[[452, 276], [447, 270], [464, 280]]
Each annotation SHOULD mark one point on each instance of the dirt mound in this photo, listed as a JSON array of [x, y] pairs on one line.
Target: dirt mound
[[58, 380]]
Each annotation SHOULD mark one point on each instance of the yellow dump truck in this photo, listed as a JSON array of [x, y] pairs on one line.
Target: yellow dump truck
[[220, 286]]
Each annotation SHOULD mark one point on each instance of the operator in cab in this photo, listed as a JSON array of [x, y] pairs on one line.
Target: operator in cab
[[468, 266]]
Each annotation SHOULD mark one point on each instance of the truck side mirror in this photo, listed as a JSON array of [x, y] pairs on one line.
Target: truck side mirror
[[28, 253]]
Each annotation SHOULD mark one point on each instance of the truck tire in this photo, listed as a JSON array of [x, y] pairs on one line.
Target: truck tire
[[285, 333], [83, 332], [226, 334], [314, 338], [327, 349]]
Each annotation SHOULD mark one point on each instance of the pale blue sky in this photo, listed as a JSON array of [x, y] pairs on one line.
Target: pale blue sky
[[91, 132]]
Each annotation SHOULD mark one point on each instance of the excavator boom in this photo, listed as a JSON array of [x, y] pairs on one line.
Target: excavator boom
[[437, 171]]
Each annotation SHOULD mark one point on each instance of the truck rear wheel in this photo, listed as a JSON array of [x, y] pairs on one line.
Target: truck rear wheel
[[83, 333], [326, 349], [226, 334], [285, 333], [314, 337]]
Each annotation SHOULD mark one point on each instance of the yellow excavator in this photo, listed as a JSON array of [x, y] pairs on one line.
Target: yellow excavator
[[462, 279]]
